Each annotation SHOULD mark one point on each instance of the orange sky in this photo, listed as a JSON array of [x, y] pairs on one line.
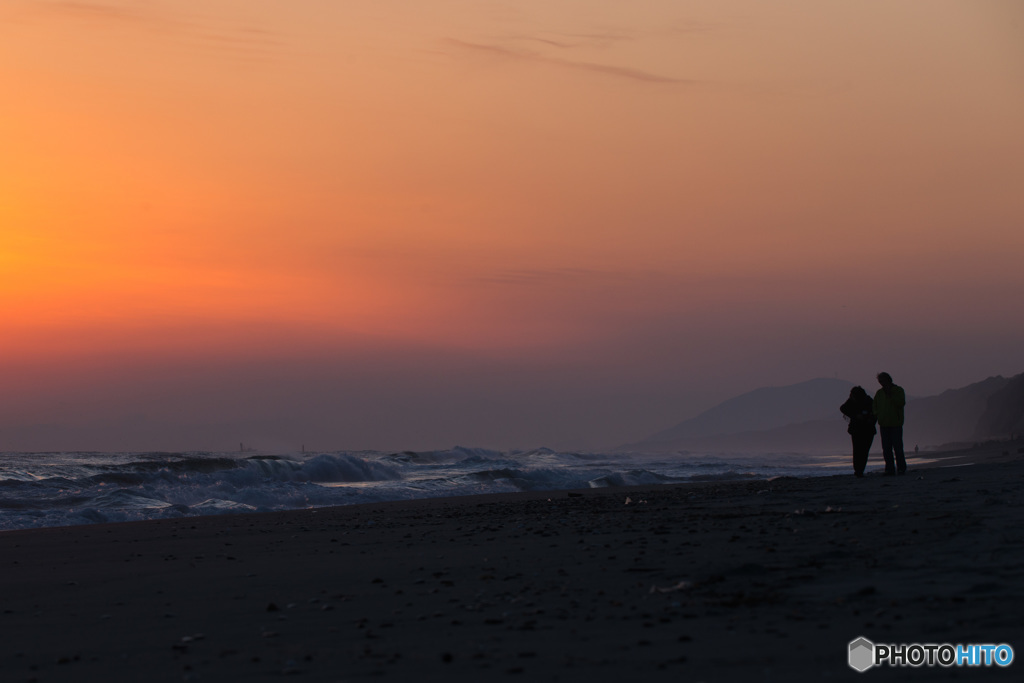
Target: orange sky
[[631, 211]]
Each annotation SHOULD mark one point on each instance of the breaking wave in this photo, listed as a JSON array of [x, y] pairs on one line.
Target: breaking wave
[[57, 489]]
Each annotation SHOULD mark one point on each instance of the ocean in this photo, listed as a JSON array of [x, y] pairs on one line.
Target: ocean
[[62, 489]]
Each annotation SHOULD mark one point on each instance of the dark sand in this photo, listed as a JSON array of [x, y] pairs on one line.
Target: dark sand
[[752, 581]]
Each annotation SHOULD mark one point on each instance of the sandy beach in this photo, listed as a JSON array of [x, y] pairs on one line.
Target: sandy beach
[[746, 581]]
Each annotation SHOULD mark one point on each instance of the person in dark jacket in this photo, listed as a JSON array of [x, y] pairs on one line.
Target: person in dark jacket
[[859, 411], [890, 401]]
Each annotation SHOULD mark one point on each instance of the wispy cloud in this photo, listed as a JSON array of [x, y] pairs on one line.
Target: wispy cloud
[[105, 12], [544, 277], [638, 75], [577, 40], [241, 40]]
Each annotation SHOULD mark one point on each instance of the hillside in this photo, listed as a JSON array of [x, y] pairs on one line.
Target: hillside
[[759, 410], [805, 418], [1004, 412]]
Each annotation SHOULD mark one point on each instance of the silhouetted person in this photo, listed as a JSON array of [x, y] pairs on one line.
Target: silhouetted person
[[888, 408], [859, 409]]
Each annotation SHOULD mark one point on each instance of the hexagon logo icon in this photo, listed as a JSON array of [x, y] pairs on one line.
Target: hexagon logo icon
[[862, 654]]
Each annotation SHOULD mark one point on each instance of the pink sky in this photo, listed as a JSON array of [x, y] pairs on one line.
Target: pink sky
[[413, 225]]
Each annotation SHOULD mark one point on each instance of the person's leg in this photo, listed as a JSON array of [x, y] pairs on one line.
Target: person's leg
[[886, 434], [860, 453], [867, 449], [897, 446]]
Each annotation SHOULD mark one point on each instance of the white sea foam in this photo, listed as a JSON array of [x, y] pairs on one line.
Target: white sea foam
[[56, 489]]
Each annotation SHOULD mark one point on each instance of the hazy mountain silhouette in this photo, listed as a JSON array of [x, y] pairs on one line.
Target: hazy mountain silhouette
[[805, 418], [1004, 411], [754, 412], [950, 416]]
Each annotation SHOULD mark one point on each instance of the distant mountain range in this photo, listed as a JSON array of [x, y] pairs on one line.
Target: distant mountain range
[[805, 418]]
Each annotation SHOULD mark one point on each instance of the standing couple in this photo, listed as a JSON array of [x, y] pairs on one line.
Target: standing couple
[[887, 409]]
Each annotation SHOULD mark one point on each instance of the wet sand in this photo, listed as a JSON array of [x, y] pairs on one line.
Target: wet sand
[[748, 581]]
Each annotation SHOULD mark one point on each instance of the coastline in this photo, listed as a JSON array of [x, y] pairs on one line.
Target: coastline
[[749, 580]]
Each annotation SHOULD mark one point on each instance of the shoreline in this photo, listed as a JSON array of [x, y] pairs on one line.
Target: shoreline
[[831, 465], [732, 580]]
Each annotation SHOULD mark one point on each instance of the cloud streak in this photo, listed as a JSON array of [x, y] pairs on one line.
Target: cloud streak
[[240, 40], [627, 73], [543, 277], [106, 13]]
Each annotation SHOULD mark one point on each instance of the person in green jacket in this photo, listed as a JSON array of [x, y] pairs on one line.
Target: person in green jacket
[[888, 408]]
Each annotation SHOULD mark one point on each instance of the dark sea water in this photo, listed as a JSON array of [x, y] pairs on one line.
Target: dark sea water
[[58, 489]]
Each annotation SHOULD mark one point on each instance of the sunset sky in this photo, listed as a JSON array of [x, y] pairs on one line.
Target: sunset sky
[[392, 224]]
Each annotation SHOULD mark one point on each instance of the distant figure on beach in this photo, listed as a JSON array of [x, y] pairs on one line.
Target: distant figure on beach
[[859, 410], [888, 408]]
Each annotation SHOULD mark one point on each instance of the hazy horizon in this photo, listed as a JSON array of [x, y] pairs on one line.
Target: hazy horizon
[[376, 225]]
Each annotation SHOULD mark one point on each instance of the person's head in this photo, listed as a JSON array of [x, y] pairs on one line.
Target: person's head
[[858, 392], [884, 379]]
